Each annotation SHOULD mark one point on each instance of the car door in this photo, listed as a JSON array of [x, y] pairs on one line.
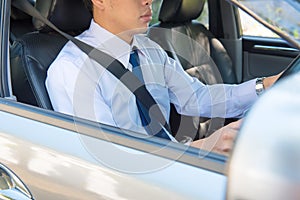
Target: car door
[[61, 157], [264, 52], [255, 50]]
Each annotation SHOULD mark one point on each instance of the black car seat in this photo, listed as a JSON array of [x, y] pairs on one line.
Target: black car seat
[[20, 23], [200, 53], [32, 53]]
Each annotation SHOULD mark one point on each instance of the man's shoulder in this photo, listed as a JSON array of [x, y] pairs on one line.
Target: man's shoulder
[[70, 50], [71, 53]]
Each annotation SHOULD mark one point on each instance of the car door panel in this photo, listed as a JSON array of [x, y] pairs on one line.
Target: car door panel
[[265, 56], [58, 159]]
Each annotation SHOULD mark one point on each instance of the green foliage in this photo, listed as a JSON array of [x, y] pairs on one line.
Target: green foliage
[[155, 11]]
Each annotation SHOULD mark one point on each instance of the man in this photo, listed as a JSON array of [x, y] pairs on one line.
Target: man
[[77, 85]]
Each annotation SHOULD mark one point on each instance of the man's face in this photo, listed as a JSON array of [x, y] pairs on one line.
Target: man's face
[[129, 15]]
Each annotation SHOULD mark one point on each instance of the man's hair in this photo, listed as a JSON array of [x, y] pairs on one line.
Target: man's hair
[[89, 5]]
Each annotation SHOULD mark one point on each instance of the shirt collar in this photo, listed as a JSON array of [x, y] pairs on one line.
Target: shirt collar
[[113, 45], [137, 44]]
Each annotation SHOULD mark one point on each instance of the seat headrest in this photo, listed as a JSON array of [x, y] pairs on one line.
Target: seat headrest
[[67, 15], [177, 11]]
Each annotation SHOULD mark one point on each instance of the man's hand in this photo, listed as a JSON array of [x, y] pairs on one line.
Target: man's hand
[[269, 81], [221, 141]]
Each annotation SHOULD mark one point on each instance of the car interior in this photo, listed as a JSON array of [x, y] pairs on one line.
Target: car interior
[[34, 46], [200, 53], [33, 52]]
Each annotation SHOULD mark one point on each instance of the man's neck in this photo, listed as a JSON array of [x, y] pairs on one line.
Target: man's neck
[[127, 36]]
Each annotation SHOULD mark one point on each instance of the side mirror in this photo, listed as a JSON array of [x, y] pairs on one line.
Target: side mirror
[[265, 163], [11, 187]]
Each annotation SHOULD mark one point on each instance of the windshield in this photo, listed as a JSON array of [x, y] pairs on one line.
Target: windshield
[[282, 16]]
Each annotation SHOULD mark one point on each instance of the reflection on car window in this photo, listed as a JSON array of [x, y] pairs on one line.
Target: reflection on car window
[[203, 18]]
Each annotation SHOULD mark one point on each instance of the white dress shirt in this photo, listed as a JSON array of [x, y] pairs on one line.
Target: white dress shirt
[[77, 85]]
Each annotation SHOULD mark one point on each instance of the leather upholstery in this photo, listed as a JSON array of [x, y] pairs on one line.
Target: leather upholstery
[[67, 15], [32, 53], [190, 38], [180, 11], [200, 53]]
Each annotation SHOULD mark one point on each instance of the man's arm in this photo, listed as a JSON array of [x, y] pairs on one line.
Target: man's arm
[[269, 81]]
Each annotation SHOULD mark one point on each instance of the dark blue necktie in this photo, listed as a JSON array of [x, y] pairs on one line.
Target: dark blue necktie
[[144, 113]]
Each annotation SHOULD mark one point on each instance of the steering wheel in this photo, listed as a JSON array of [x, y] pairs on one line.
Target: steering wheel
[[293, 67]]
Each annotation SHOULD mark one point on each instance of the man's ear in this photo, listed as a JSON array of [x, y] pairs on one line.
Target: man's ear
[[100, 4]]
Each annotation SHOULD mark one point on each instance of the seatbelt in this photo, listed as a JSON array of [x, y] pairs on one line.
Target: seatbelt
[[143, 112], [111, 64]]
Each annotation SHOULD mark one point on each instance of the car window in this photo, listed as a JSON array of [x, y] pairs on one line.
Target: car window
[[251, 27], [203, 18], [283, 15], [155, 11]]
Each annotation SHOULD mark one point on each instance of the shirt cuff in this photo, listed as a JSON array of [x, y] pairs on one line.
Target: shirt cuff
[[247, 95]]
